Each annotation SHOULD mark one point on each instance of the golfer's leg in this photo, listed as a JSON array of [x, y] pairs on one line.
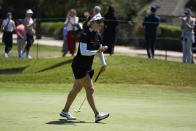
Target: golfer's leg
[[72, 95], [88, 85]]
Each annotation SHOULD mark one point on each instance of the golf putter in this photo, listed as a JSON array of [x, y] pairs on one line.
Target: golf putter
[[79, 109]]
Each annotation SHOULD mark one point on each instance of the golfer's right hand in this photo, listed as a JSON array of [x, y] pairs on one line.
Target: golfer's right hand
[[102, 69], [102, 49]]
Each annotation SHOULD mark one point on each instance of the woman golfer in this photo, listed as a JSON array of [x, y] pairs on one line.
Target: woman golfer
[[89, 46]]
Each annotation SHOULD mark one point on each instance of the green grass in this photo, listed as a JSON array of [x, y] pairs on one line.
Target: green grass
[[140, 94], [121, 69], [35, 107], [43, 51]]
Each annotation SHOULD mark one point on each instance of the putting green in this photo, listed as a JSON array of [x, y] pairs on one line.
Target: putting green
[[36, 107]]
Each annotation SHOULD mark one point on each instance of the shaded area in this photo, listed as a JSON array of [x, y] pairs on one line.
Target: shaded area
[[64, 121], [55, 66], [12, 71]]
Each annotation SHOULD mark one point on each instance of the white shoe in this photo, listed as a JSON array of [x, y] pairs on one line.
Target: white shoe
[[5, 55], [28, 57], [100, 116], [67, 115]]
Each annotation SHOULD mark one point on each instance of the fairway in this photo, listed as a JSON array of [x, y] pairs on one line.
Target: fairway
[[36, 107], [140, 95]]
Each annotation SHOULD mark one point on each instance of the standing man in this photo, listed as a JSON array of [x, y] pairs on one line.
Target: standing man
[[151, 23], [8, 27], [188, 24]]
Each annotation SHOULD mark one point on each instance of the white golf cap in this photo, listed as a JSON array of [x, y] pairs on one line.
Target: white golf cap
[[29, 11], [95, 18]]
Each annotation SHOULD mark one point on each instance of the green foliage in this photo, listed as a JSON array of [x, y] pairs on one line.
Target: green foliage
[[59, 8], [167, 30], [52, 29], [192, 5], [126, 9]]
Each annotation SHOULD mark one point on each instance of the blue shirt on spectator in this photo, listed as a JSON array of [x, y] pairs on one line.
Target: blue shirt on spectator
[[151, 23], [64, 33]]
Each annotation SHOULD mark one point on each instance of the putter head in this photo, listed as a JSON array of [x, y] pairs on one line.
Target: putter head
[[77, 110]]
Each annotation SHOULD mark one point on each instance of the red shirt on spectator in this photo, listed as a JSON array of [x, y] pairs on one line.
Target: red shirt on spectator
[[20, 31]]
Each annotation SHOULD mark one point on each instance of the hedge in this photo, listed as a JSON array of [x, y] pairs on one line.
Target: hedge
[[53, 29]]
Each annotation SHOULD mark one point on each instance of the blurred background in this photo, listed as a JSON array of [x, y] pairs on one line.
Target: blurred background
[[51, 14]]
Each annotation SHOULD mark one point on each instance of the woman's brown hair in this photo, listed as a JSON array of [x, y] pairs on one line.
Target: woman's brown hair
[[85, 24]]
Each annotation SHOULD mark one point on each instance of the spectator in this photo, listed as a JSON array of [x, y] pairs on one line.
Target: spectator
[[151, 23], [188, 24], [109, 33], [8, 26], [96, 10], [64, 41], [20, 37], [194, 44], [89, 46], [29, 24], [71, 21], [86, 14]]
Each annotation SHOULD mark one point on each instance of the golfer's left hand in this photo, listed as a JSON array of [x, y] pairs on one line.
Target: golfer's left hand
[[103, 68]]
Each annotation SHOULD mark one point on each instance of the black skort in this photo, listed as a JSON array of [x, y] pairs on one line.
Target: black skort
[[80, 72]]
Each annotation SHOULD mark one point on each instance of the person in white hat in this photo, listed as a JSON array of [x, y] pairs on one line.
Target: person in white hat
[[89, 46], [29, 24]]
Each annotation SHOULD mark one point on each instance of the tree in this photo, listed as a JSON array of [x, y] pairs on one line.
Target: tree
[[192, 4]]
